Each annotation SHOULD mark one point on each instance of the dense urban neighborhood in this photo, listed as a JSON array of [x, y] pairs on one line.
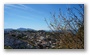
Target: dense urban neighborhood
[[41, 39], [30, 39]]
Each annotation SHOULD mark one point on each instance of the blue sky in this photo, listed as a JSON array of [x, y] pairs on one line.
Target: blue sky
[[30, 15]]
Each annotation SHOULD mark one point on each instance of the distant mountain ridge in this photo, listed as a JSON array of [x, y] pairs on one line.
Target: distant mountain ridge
[[8, 29], [24, 29], [19, 29]]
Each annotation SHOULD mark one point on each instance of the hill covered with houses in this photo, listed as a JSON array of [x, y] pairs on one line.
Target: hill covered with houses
[[28, 39]]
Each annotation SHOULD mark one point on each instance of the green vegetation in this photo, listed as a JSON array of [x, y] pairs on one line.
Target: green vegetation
[[7, 47]]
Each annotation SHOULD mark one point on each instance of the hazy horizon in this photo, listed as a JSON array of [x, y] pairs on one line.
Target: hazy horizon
[[25, 28]]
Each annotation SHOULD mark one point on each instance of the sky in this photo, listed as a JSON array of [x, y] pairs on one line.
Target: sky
[[30, 15]]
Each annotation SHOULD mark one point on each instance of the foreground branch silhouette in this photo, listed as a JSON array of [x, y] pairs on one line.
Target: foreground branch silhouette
[[68, 29]]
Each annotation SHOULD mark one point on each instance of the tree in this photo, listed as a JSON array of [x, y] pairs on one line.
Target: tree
[[68, 29]]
